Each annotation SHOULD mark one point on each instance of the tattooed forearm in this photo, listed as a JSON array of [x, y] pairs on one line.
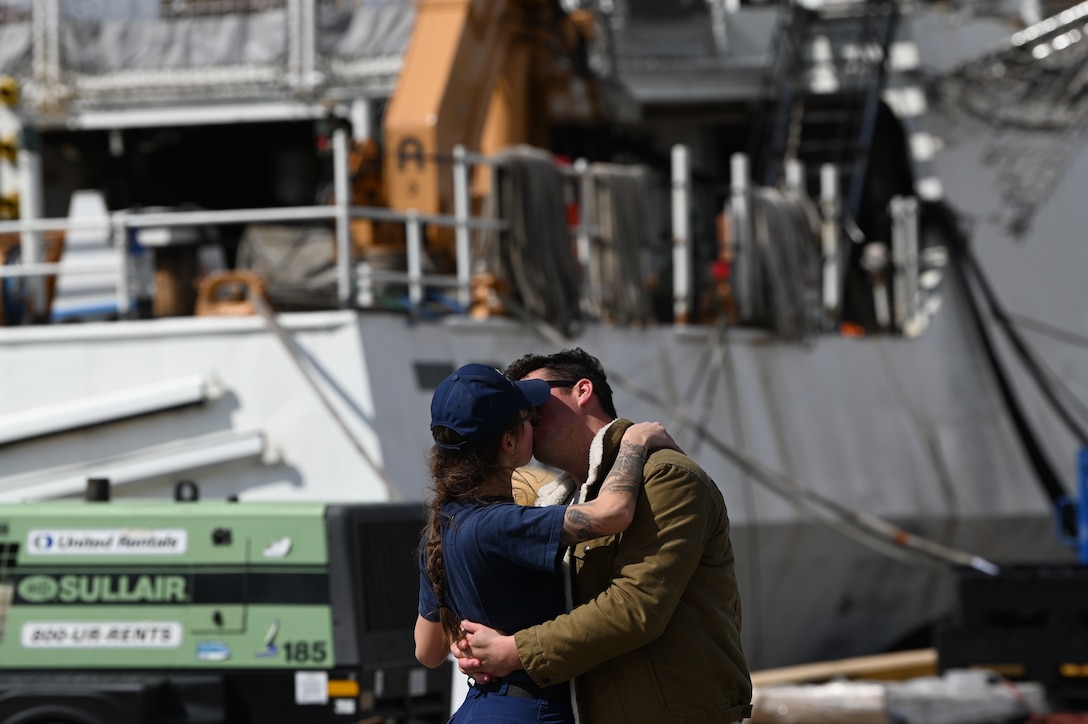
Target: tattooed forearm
[[578, 526], [626, 474], [611, 511]]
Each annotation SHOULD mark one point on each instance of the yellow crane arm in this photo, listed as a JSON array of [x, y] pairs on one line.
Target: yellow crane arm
[[449, 70]]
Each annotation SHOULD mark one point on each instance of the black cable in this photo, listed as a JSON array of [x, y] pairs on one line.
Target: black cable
[[1062, 335], [1044, 471], [1043, 378]]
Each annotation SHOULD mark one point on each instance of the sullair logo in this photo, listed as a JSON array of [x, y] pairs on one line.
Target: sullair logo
[[38, 589], [104, 589]]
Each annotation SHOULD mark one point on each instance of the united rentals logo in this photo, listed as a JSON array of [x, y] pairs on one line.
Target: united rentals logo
[[107, 542], [103, 589]]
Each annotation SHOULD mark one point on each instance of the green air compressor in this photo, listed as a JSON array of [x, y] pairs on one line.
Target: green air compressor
[[159, 612]]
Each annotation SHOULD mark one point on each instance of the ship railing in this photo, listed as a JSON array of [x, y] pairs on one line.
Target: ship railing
[[120, 223], [355, 279]]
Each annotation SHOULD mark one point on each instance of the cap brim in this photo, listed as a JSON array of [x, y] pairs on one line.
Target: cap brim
[[536, 392]]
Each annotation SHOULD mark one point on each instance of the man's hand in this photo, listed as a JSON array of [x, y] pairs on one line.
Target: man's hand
[[484, 653], [466, 661]]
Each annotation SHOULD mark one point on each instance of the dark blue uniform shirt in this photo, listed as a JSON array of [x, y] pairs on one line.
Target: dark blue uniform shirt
[[503, 569], [502, 565]]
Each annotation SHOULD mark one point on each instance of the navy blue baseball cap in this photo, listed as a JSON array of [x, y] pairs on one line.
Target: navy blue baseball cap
[[478, 401]]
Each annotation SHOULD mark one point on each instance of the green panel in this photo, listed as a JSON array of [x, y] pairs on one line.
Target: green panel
[[165, 533], [67, 637], [164, 585]]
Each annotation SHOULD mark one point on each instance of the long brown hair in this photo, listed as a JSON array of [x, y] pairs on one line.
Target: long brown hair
[[457, 475]]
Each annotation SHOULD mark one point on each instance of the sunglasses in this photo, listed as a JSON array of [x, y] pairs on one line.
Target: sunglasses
[[532, 416], [562, 383]]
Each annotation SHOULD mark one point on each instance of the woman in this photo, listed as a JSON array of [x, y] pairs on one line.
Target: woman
[[487, 559]]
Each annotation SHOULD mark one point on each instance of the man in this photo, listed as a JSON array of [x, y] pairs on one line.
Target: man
[[655, 635]]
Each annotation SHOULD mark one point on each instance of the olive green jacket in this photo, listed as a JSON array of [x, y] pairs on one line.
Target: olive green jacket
[[655, 635]]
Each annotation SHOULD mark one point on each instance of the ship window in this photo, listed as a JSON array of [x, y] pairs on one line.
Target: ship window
[[430, 374]]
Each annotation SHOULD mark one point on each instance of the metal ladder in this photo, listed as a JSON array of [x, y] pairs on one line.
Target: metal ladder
[[823, 90]]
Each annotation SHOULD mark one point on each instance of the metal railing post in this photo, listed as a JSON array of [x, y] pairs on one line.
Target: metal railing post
[[829, 239], [910, 261], [461, 213], [119, 234], [415, 260], [360, 120], [343, 217], [743, 247], [338, 214], [899, 258], [681, 235], [794, 174], [584, 239], [31, 208]]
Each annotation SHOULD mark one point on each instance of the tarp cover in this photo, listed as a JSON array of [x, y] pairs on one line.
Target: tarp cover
[[91, 45]]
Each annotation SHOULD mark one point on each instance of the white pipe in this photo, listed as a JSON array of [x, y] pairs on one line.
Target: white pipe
[[360, 120], [176, 218], [156, 462], [910, 257], [124, 297], [795, 174], [899, 256], [176, 115], [681, 235], [31, 207], [238, 216], [461, 213], [44, 269], [415, 261], [829, 236], [343, 217], [743, 247], [107, 407], [364, 278], [587, 211]]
